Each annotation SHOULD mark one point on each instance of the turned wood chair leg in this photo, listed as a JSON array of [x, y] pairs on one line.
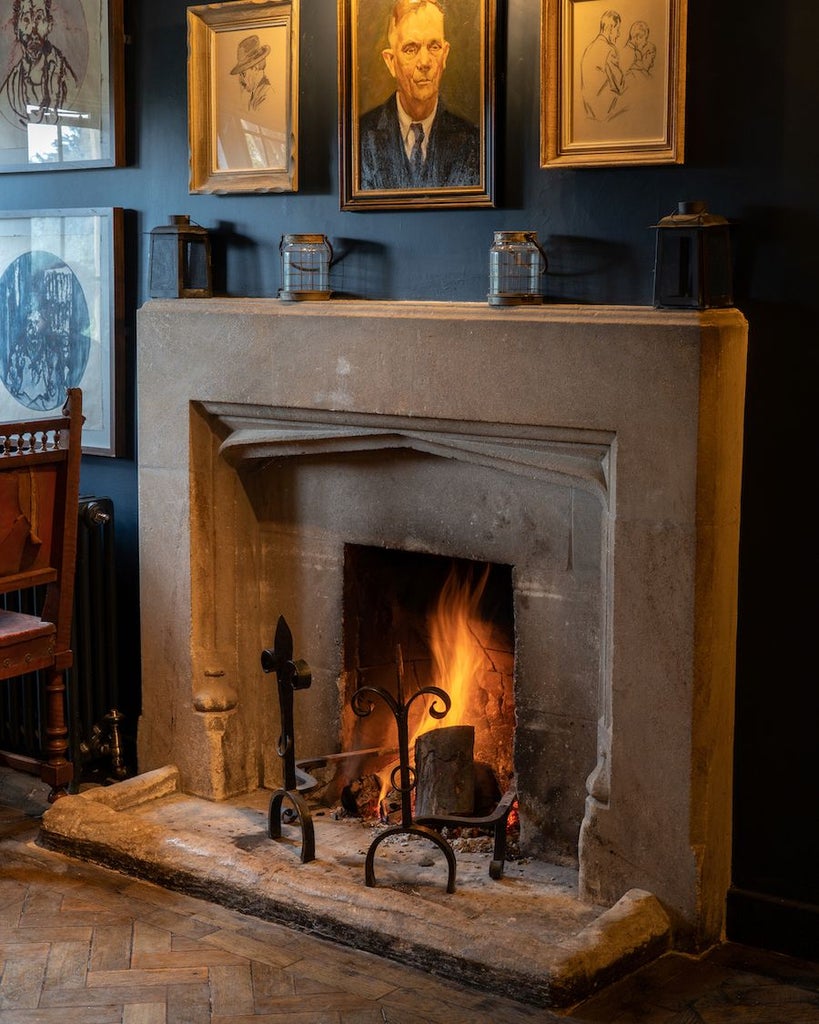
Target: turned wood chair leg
[[57, 770]]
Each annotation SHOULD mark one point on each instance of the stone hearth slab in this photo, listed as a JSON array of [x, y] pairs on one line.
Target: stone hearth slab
[[527, 936]]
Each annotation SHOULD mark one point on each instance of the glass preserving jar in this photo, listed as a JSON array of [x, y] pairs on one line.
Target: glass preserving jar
[[516, 265], [305, 267]]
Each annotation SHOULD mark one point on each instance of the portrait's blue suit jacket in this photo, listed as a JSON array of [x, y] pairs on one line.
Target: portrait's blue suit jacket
[[453, 151]]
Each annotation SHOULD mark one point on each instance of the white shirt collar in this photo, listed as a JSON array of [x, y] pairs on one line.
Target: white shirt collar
[[404, 121]]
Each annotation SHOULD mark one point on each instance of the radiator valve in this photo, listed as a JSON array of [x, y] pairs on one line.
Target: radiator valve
[[95, 514], [106, 741]]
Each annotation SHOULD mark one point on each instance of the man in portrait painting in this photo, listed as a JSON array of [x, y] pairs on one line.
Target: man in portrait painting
[[45, 330], [602, 81], [36, 87], [412, 141], [251, 61]]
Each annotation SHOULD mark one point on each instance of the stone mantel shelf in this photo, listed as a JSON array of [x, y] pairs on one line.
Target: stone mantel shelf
[[429, 310], [572, 368]]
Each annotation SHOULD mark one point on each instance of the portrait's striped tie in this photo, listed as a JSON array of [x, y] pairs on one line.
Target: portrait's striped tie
[[417, 154]]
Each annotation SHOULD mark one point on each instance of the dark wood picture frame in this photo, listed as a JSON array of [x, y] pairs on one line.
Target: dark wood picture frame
[[79, 122], [458, 165]]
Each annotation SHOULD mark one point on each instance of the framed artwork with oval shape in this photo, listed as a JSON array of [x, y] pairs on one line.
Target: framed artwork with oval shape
[[61, 85], [61, 318]]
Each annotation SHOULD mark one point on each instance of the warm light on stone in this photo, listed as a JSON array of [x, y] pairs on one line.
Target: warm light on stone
[[609, 438]]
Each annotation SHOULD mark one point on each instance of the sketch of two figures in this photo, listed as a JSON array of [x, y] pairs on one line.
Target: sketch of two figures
[[618, 80]]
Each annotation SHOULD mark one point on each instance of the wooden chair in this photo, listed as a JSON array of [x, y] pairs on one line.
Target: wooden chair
[[39, 497]]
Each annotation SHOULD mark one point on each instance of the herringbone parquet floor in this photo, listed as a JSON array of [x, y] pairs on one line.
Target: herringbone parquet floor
[[83, 944]]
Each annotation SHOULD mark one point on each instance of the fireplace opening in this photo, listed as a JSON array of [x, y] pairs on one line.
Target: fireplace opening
[[440, 622], [354, 550]]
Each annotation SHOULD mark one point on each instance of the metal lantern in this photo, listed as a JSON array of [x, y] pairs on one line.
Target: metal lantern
[[692, 268], [306, 263], [180, 261], [516, 265]]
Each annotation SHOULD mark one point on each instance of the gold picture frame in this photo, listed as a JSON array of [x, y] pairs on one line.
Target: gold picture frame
[[612, 82], [243, 88], [75, 121], [455, 165]]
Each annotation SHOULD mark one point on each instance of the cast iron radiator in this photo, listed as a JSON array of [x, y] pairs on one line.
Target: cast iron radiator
[[91, 684]]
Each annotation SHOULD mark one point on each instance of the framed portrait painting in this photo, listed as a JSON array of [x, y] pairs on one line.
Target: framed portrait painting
[[243, 88], [61, 309], [612, 82], [416, 103], [61, 85]]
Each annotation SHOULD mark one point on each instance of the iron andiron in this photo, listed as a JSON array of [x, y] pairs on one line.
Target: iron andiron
[[291, 675], [403, 778], [496, 822]]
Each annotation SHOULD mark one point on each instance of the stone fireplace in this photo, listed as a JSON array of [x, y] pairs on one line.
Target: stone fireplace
[[591, 454]]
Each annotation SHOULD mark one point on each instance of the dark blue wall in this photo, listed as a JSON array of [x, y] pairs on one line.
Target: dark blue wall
[[751, 152]]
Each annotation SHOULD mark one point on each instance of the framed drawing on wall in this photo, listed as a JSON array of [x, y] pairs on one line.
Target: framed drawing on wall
[[61, 316], [612, 82], [243, 88], [416, 103], [61, 91]]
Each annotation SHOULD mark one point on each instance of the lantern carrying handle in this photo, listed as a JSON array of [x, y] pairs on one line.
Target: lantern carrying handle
[[531, 236]]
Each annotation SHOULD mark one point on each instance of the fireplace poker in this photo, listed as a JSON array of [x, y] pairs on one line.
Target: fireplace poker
[[291, 676]]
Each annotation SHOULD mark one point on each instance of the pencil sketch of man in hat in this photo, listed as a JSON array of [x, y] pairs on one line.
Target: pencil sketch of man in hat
[[251, 59]]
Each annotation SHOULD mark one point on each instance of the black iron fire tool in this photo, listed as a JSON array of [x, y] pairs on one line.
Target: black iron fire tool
[[291, 675], [496, 821], [406, 778]]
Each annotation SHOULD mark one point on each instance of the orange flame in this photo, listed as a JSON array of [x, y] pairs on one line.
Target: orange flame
[[456, 649], [458, 657]]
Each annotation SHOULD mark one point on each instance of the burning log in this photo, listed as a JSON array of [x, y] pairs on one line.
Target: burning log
[[445, 771], [360, 797], [487, 790]]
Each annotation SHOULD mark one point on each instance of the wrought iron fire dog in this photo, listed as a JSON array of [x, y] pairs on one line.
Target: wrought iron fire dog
[[496, 821], [291, 675], [403, 777]]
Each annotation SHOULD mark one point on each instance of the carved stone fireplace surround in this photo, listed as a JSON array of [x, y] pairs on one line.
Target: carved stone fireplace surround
[[620, 428]]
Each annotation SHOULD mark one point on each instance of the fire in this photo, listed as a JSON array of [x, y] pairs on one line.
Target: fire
[[458, 655]]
